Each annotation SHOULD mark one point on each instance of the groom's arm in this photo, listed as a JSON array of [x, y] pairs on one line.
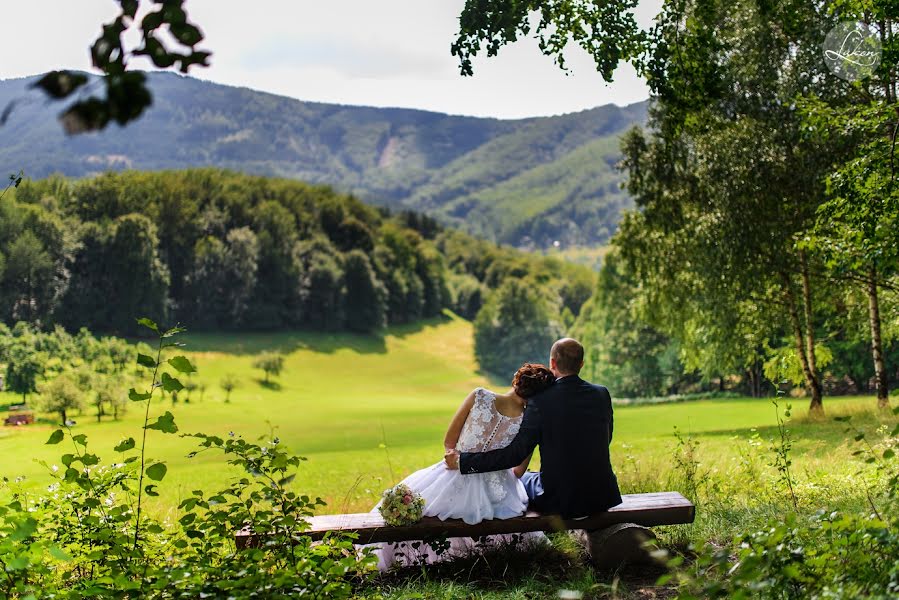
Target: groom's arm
[[512, 455]]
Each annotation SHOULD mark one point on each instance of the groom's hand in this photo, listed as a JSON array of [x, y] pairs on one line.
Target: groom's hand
[[451, 458]]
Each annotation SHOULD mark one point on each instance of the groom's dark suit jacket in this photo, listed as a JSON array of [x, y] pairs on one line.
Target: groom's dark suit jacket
[[572, 423]]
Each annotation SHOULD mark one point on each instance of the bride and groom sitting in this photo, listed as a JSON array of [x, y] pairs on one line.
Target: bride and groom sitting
[[490, 442]]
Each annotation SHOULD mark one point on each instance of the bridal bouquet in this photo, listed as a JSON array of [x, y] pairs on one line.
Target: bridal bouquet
[[401, 505]]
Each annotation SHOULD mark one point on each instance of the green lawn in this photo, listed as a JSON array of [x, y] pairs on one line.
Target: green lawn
[[341, 397]]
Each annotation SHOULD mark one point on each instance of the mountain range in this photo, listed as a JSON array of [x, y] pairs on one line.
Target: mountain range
[[524, 182]]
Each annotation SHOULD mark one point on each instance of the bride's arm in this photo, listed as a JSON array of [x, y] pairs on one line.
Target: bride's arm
[[455, 426], [523, 467]]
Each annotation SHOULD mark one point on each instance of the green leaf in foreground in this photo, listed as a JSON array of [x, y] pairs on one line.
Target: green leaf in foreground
[[125, 445], [136, 396], [56, 437], [157, 471], [146, 361], [182, 365], [171, 384], [149, 324], [165, 423]]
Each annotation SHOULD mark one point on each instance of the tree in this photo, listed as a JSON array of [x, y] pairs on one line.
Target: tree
[[60, 395], [623, 351], [111, 396], [222, 279], [139, 276], [24, 365], [515, 326], [856, 229], [28, 278], [366, 309], [229, 383], [607, 31], [271, 363]]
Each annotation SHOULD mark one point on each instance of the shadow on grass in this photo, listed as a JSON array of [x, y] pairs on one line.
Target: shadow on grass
[[536, 572], [269, 385], [803, 427], [285, 342]]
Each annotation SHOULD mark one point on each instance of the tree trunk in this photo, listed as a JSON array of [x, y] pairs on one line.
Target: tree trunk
[[64, 419], [814, 386], [880, 372], [807, 313]]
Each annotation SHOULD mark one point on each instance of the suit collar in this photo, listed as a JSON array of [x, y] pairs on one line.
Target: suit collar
[[568, 378]]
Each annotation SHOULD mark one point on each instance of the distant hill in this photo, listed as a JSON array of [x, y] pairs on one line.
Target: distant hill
[[523, 182]]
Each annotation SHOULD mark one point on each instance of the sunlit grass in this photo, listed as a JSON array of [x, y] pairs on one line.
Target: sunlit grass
[[341, 399]]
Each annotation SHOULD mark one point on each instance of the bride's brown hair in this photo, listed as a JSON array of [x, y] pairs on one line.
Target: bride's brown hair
[[531, 379]]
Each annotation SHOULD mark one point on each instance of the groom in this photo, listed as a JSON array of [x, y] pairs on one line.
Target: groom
[[572, 423]]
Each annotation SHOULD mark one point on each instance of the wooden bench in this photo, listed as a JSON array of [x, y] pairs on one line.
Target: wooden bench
[[615, 535]]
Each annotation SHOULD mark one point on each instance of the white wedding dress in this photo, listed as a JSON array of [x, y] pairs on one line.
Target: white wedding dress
[[473, 498]]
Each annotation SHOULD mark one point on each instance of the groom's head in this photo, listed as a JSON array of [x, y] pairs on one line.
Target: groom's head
[[566, 357]]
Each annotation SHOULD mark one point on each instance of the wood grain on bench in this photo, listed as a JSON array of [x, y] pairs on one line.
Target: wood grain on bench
[[663, 508]]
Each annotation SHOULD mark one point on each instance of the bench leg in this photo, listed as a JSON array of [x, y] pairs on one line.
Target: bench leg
[[620, 544]]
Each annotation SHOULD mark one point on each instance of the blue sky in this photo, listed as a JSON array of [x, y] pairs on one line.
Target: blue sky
[[380, 53]]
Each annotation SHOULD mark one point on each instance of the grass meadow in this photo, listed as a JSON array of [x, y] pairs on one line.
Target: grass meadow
[[367, 412]]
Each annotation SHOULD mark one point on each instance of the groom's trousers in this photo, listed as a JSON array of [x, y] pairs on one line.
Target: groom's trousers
[[533, 486]]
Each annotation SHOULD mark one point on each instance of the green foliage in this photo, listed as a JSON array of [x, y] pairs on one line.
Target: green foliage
[[61, 395], [515, 326], [607, 31], [522, 182], [222, 250], [271, 364], [90, 536], [827, 554], [622, 350], [127, 95], [229, 383], [366, 309]]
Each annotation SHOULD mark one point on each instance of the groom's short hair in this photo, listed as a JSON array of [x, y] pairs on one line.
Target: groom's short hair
[[568, 354]]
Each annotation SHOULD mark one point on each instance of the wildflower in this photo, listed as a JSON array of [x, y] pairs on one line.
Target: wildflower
[[54, 468]]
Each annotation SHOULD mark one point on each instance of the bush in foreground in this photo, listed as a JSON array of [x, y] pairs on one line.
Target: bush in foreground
[[90, 536]]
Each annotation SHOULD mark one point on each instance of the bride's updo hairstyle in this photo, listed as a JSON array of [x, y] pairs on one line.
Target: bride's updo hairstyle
[[531, 379]]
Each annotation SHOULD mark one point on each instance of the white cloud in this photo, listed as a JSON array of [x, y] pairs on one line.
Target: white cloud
[[384, 53]]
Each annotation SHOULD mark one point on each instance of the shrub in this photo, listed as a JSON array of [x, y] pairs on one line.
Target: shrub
[[90, 536]]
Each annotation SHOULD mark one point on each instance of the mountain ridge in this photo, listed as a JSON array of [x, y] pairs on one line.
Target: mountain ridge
[[525, 182]]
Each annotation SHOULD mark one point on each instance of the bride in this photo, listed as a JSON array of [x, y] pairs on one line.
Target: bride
[[485, 421]]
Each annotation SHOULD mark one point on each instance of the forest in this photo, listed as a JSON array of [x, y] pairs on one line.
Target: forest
[[216, 250]]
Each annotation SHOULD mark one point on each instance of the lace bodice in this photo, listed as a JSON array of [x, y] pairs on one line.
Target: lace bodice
[[485, 428]]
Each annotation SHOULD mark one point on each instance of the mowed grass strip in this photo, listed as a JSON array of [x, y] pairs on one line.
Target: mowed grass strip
[[366, 412]]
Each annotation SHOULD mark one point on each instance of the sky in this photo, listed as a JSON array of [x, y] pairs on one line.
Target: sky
[[362, 52]]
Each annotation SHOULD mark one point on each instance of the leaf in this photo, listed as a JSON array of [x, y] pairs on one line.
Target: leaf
[[125, 445], [165, 423], [146, 361], [136, 396], [59, 554], [888, 453], [148, 323], [60, 84], [170, 384], [150, 490], [182, 365], [80, 439], [173, 331], [55, 437], [157, 471]]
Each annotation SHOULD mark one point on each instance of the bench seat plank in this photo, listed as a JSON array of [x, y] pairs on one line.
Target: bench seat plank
[[662, 508]]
